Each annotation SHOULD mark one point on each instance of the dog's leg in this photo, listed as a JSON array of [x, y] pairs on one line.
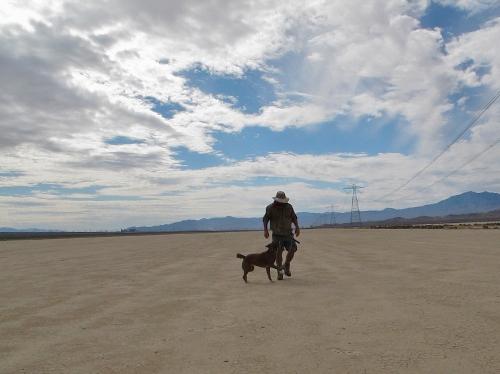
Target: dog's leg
[[268, 271], [246, 269]]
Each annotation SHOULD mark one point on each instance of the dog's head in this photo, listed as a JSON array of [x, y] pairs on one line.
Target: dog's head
[[272, 247]]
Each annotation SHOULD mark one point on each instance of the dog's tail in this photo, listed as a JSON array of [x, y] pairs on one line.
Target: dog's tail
[[239, 255]]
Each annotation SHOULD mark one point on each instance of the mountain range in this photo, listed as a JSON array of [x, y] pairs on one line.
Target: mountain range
[[11, 229], [465, 203], [492, 216]]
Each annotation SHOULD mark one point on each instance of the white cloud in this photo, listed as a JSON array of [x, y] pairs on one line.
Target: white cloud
[[372, 59], [480, 49], [76, 73]]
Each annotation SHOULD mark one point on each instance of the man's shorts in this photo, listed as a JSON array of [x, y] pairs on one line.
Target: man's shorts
[[286, 241]]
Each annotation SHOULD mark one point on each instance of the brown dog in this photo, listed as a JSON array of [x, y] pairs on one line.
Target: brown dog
[[264, 260]]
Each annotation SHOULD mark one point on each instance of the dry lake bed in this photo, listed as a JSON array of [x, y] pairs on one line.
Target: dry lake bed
[[359, 301]]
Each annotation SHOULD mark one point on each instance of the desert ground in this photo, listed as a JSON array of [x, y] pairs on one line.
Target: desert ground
[[358, 301]]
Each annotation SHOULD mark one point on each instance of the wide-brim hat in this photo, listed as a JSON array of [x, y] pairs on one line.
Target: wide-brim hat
[[281, 197]]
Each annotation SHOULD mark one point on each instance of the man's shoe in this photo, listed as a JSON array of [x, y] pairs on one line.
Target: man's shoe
[[287, 270], [280, 274]]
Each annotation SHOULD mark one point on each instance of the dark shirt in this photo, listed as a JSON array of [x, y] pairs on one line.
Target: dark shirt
[[281, 217]]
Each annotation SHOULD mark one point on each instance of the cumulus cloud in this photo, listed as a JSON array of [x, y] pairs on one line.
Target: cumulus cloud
[[478, 49], [74, 74]]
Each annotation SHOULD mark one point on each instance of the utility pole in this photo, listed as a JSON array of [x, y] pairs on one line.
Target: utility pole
[[355, 213]]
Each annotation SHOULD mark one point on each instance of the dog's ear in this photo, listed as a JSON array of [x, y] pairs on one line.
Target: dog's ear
[[271, 245]]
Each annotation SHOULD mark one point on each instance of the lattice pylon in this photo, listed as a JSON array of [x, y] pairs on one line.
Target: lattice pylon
[[355, 213]]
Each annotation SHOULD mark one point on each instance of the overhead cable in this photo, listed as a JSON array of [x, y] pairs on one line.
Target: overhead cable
[[471, 124]]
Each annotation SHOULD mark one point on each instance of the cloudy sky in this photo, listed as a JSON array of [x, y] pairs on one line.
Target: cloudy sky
[[123, 112]]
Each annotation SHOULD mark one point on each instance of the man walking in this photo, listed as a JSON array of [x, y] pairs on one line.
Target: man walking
[[281, 215]]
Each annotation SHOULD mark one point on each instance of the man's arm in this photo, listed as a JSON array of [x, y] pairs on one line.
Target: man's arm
[[295, 223], [265, 221]]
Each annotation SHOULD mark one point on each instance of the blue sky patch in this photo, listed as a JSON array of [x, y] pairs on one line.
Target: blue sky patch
[[55, 189], [272, 181], [194, 160], [11, 174], [248, 93], [369, 135], [167, 109], [454, 21], [459, 117], [122, 140], [108, 198], [290, 70], [464, 65], [482, 70], [479, 70]]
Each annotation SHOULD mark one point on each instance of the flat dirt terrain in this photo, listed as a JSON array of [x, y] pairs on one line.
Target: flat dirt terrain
[[359, 301]]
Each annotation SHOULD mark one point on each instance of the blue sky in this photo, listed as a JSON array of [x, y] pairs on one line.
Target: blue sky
[[250, 92], [455, 21], [322, 138], [174, 115], [367, 135]]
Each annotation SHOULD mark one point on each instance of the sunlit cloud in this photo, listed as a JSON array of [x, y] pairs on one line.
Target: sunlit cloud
[[137, 99]]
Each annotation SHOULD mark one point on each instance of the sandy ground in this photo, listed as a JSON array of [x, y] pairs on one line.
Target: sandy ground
[[359, 301]]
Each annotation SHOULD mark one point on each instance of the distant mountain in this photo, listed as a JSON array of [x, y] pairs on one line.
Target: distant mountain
[[491, 216], [468, 202], [205, 224], [11, 229]]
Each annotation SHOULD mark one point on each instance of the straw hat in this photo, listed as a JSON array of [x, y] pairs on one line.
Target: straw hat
[[281, 197]]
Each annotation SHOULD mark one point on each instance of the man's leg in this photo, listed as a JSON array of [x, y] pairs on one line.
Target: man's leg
[[289, 257], [279, 260]]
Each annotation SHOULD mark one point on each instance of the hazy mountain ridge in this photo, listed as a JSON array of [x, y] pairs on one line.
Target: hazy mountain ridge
[[11, 229], [489, 216], [466, 203]]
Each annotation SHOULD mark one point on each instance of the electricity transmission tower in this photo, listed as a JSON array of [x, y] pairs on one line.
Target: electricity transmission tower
[[355, 213], [333, 220]]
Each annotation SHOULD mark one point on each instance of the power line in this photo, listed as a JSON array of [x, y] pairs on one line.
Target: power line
[[457, 138], [469, 161]]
